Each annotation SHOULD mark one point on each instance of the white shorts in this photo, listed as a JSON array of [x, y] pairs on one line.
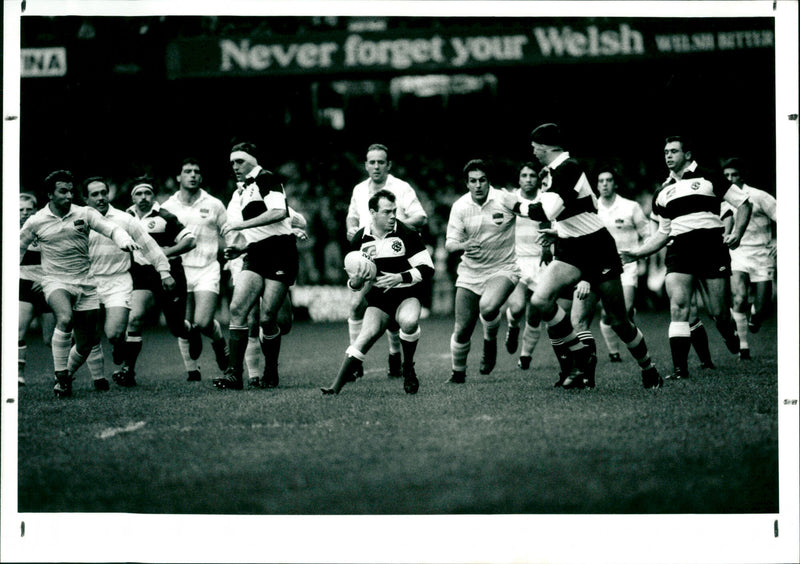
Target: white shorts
[[630, 274], [84, 290], [115, 290], [754, 261], [476, 281], [202, 278], [530, 269]]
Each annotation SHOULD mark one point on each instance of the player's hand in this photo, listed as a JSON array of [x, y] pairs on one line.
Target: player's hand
[[300, 234], [234, 250], [472, 248], [547, 236], [388, 280], [628, 256], [168, 283], [130, 246], [351, 232], [230, 226], [731, 240], [582, 290], [547, 257]]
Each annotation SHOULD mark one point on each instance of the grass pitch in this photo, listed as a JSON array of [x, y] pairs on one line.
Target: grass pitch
[[503, 443]]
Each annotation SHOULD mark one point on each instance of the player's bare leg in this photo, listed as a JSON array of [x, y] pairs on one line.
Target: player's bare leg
[[272, 299], [494, 296], [374, 324], [466, 316], [249, 287]]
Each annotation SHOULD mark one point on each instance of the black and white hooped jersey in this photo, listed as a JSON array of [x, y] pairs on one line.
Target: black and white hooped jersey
[[401, 251], [262, 191], [693, 201]]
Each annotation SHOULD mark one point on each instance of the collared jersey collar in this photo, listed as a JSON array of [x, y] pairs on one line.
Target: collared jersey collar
[[50, 211], [368, 230], [691, 167], [252, 174], [489, 197], [558, 160], [153, 211]]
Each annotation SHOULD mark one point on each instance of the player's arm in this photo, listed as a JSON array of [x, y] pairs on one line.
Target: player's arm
[[456, 238], [738, 198], [150, 249], [352, 220], [277, 210], [182, 237], [414, 213], [548, 208], [26, 236], [110, 230], [420, 267], [641, 223], [652, 244], [726, 216]]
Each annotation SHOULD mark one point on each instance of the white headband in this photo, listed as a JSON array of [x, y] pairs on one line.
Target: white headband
[[140, 187], [246, 157]]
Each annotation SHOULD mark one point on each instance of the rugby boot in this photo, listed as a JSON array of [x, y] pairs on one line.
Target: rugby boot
[[581, 364], [101, 385], [591, 367], [395, 366], [524, 362], [744, 354], [347, 373], [124, 377], [410, 380], [512, 340], [708, 365], [458, 377], [678, 373], [651, 378], [63, 386], [229, 381], [193, 376], [270, 378], [489, 357], [254, 382]]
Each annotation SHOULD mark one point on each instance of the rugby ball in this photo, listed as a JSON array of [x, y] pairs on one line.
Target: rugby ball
[[353, 261]]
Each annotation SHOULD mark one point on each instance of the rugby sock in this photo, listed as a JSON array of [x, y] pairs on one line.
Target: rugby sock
[[190, 363], [679, 343], [727, 328], [60, 345], [271, 347], [699, 339], [741, 327], [133, 346], [587, 339], [638, 349], [22, 355], [96, 362], [252, 358], [394, 341], [490, 327], [409, 341], [353, 359], [214, 331], [559, 328], [610, 337], [562, 355], [530, 337], [75, 360], [117, 348], [459, 353], [354, 328], [237, 345]]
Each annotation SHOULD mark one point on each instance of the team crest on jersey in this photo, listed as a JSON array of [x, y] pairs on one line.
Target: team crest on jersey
[[497, 218], [80, 225], [397, 246], [370, 251], [695, 185], [204, 212], [151, 225]]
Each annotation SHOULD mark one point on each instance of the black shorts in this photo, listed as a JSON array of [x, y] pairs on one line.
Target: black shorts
[[34, 297], [274, 258], [700, 253], [389, 300], [594, 255], [146, 277]]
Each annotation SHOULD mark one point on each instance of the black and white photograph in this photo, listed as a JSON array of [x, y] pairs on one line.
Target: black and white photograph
[[420, 281]]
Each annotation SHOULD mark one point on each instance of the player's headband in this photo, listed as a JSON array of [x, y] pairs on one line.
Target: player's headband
[[140, 188], [246, 157]]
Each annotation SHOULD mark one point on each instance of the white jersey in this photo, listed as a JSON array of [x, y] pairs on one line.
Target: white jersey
[[204, 218], [492, 225], [408, 204], [108, 259], [759, 229], [526, 232], [625, 220], [64, 241]]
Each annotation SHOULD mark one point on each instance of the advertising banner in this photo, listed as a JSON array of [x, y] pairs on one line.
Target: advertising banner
[[518, 44]]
